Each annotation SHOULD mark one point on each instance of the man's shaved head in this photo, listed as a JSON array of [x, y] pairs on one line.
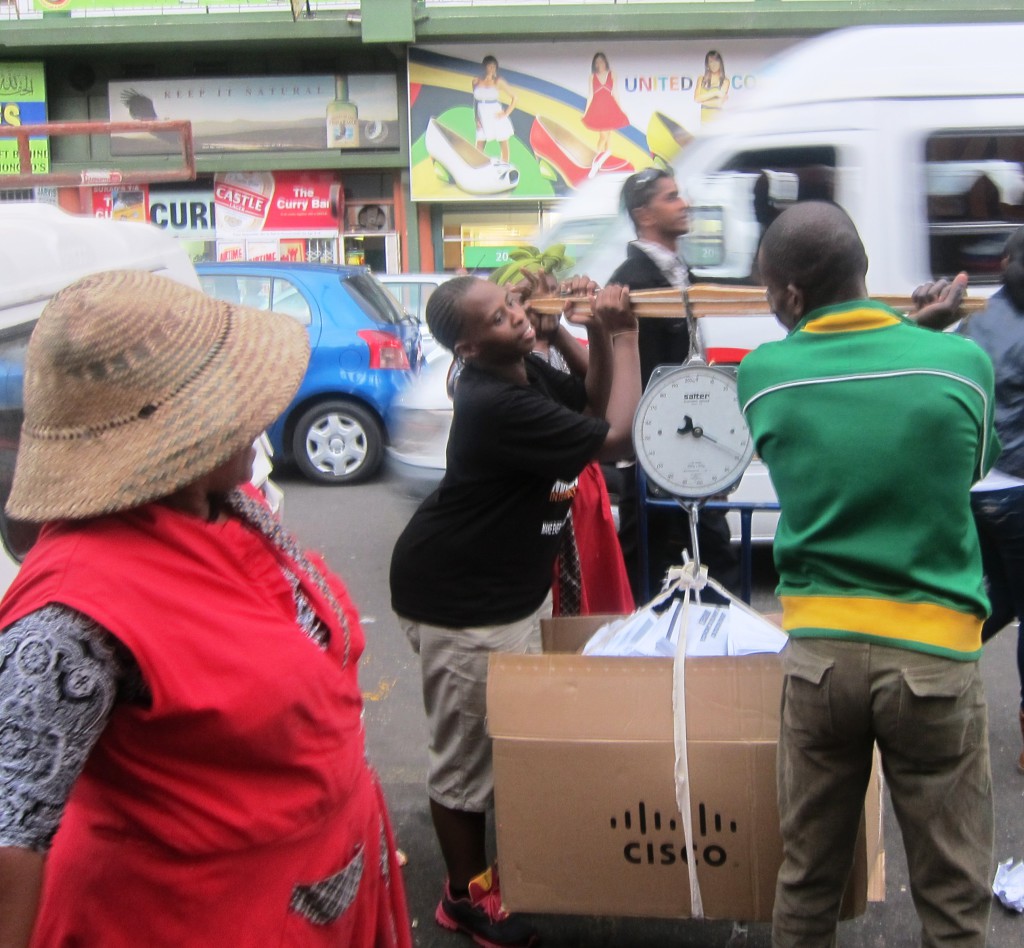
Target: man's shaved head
[[815, 247]]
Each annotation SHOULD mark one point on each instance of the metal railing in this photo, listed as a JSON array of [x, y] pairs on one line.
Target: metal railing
[[746, 510], [180, 154]]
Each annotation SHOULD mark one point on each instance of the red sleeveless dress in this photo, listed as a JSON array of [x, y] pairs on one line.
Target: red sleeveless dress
[[603, 114]]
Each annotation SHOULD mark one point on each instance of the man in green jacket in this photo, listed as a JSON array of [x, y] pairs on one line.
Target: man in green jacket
[[873, 430]]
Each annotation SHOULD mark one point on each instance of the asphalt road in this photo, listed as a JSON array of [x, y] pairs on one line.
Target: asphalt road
[[355, 528]]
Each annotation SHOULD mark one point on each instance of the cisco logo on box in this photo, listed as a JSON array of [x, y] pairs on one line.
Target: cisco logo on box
[[652, 840]]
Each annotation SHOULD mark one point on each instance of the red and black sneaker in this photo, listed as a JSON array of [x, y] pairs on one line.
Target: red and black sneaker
[[481, 916]]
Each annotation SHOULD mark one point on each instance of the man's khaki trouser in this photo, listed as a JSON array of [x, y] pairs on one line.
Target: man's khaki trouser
[[928, 716]]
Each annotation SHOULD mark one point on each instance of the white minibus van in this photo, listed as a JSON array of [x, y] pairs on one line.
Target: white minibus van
[[925, 154]]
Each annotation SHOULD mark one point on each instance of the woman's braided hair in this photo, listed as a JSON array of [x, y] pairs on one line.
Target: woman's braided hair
[[444, 313]]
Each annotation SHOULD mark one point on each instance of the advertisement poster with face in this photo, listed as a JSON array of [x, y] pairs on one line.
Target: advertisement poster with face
[[528, 122]]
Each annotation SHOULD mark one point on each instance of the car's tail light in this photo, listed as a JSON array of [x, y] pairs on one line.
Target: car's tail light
[[386, 351]]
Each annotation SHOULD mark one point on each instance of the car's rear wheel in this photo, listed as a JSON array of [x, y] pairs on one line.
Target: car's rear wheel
[[338, 442]]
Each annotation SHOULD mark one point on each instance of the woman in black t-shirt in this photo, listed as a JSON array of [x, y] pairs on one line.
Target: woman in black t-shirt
[[471, 573]]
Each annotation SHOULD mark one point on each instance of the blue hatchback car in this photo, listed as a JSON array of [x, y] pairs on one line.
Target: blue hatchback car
[[363, 350]]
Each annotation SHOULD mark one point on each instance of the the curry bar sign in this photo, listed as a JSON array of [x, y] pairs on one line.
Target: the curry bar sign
[[249, 202]]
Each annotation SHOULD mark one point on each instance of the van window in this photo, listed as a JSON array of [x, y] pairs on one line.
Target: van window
[[734, 206], [975, 197]]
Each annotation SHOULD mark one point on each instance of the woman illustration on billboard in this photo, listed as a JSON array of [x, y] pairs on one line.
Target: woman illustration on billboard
[[712, 89], [492, 117], [603, 114]]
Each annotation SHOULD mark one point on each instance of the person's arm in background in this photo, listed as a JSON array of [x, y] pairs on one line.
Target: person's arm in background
[[549, 328], [706, 95], [503, 86], [598, 355], [936, 304], [614, 362], [575, 354], [610, 368], [21, 880]]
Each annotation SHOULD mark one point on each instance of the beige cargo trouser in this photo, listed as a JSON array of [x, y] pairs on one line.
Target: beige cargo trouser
[[929, 719]]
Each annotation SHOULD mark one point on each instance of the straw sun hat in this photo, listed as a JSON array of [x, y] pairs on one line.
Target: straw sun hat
[[136, 386]]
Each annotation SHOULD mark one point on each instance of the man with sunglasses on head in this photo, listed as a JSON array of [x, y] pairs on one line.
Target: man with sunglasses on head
[[658, 211]]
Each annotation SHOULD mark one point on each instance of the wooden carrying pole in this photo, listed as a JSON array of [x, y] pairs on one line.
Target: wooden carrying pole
[[708, 299]]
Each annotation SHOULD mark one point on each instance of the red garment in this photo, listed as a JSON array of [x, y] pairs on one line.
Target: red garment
[[195, 819], [604, 580], [603, 114]]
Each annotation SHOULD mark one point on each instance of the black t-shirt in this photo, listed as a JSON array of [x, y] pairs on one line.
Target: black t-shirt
[[480, 549]]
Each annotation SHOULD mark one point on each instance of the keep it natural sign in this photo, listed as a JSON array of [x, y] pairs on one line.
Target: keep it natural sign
[[22, 102]]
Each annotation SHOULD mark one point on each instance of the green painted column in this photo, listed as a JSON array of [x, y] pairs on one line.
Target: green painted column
[[387, 21]]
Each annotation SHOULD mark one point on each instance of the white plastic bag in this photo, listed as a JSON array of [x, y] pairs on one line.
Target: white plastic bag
[[1008, 885]]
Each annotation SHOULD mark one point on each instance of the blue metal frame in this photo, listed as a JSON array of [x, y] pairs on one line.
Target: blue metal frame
[[746, 510]]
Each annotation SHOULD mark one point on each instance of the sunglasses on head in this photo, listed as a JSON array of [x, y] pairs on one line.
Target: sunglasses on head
[[634, 194], [648, 175]]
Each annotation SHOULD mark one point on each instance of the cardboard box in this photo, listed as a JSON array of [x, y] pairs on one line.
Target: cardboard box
[[587, 821]]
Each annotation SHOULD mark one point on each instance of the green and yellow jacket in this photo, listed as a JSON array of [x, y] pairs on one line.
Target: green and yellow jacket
[[874, 430]]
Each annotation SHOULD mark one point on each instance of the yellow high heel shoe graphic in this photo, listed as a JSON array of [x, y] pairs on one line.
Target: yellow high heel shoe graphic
[[666, 138], [472, 170]]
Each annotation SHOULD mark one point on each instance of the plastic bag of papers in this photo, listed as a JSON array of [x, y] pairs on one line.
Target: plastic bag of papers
[[710, 630]]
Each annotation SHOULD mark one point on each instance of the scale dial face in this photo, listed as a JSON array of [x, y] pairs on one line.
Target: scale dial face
[[689, 434]]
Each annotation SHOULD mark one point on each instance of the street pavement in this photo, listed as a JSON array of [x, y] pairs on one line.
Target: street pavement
[[356, 527]]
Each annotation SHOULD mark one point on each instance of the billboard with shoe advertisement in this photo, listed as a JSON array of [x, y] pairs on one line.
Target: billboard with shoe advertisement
[[529, 122]]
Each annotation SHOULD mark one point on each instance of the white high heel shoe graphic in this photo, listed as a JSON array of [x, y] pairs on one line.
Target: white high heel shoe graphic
[[472, 170]]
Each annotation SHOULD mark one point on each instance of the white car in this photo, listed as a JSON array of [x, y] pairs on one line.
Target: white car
[[419, 420], [413, 290]]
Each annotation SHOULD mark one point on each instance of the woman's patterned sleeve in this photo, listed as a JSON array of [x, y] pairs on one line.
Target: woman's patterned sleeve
[[60, 676]]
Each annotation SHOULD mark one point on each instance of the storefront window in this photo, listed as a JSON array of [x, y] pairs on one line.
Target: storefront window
[[480, 241]]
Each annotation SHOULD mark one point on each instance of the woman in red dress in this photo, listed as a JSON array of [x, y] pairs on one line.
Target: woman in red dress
[[603, 114], [184, 761]]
